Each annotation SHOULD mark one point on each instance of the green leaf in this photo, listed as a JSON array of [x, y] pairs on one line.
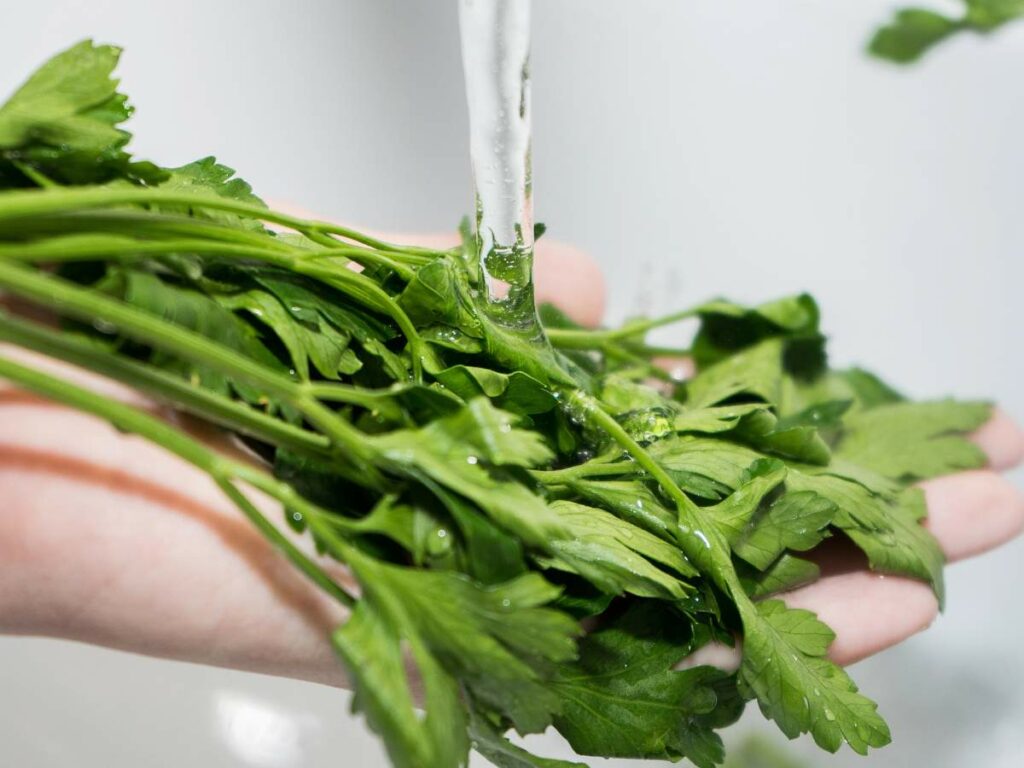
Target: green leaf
[[71, 101], [198, 312], [785, 667], [61, 126], [797, 521], [733, 515], [208, 177], [632, 501], [907, 548], [371, 645], [624, 699], [516, 392], [704, 466], [437, 295], [455, 451], [915, 441], [712, 420], [797, 436], [308, 302], [497, 641], [858, 387], [786, 573], [489, 742], [886, 528], [618, 557], [912, 32], [727, 328], [493, 554], [395, 520], [322, 344], [755, 372]]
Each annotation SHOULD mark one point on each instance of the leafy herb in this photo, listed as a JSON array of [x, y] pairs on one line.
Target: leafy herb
[[912, 32], [486, 486]]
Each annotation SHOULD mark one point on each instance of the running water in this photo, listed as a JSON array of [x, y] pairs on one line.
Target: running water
[[496, 59]]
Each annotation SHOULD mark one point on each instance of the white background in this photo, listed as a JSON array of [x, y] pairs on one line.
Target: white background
[[694, 147]]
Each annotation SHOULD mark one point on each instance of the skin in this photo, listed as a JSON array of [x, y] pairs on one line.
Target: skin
[[108, 540]]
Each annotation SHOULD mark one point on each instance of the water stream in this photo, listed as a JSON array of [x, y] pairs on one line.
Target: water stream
[[496, 60]]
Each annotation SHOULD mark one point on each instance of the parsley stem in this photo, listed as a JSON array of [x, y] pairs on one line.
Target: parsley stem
[[600, 418], [580, 471], [700, 540], [224, 471], [316, 574], [118, 247], [578, 338], [162, 385], [367, 292], [42, 202], [66, 298], [137, 223]]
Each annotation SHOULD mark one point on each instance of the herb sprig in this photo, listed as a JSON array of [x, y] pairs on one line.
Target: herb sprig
[[913, 32], [489, 493]]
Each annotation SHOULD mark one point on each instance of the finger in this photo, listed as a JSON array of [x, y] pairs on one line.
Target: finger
[[973, 512], [1001, 440], [571, 280], [868, 612]]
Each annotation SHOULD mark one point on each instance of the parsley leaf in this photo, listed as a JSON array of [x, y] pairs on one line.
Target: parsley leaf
[[624, 699], [64, 122], [915, 441], [912, 32], [784, 666]]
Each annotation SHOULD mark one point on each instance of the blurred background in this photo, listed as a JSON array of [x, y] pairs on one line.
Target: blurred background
[[745, 147]]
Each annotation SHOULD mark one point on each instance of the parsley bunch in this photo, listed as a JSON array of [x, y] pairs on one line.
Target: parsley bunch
[[490, 491]]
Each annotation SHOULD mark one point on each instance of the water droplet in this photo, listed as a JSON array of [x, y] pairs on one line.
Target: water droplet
[[679, 372], [472, 460], [506, 603], [829, 714]]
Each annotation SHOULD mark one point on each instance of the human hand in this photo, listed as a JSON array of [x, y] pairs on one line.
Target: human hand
[[109, 540]]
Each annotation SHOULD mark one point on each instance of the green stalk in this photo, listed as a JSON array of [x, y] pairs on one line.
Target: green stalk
[[698, 537], [224, 471], [162, 386], [357, 286], [581, 471], [137, 223], [370, 294], [573, 338], [116, 247], [68, 299], [40, 203]]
